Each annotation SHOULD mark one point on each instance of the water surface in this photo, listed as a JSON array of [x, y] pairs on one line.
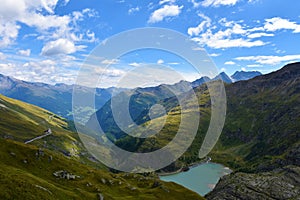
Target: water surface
[[201, 179]]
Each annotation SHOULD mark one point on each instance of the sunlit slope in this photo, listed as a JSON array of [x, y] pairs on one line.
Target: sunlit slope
[[21, 122], [24, 175]]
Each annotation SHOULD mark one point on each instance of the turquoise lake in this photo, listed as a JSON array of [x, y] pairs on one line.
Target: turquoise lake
[[201, 179]]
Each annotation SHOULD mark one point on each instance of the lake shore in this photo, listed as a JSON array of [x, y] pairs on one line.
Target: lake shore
[[183, 169], [201, 178]]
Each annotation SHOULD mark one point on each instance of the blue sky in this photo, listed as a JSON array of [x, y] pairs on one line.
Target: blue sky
[[47, 41]]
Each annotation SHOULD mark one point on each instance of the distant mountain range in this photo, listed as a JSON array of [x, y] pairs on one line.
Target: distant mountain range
[[58, 98], [243, 75], [55, 98]]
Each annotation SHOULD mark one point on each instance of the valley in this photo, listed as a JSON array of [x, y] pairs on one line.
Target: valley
[[259, 142]]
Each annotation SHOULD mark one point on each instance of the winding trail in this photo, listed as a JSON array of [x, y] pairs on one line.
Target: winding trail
[[48, 132]]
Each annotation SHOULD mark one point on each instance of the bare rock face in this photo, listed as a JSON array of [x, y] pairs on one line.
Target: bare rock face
[[278, 184]]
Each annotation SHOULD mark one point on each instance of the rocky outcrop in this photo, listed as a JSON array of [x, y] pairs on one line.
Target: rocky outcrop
[[63, 174], [283, 183]]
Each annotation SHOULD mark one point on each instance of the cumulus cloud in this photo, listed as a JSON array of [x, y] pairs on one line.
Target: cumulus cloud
[[216, 3], [133, 10], [160, 61], [60, 46], [8, 33], [2, 56], [166, 1], [24, 52], [166, 11], [46, 71], [259, 35], [204, 24], [214, 54], [110, 61], [278, 23], [135, 64], [269, 60], [40, 15], [229, 63], [230, 34], [254, 65], [7, 68]]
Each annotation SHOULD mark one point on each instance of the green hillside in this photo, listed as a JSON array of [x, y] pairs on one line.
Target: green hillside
[[24, 175], [27, 170]]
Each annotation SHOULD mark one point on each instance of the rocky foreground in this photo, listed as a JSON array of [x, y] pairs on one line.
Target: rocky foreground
[[283, 183]]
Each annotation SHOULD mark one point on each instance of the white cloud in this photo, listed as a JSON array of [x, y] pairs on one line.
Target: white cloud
[[110, 61], [7, 68], [278, 23], [173, 63], [2, 56], [269, 60], [204, 24], [108, 72], [258, 35], [24, 52], [8, 32], [195, 3], [166, 1], [216, 3], [254, 66], [46, 71], [160, 61], [234, 35], [229, 34], [229, 63], [133, 10], [214, 55], [214, 42], [60, 46], [166, 11], [45, 22], [223, 69], [39, 15], [198, 49], [134, 64], [243, 69], [42, 67]]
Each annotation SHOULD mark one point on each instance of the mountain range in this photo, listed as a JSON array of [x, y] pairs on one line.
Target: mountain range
[[58, 98], [55, 98]]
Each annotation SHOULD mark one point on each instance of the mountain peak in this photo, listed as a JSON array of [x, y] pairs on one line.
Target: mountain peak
[[244, 75], [224, 77]]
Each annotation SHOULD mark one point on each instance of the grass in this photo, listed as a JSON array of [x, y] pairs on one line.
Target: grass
[[33, 179]]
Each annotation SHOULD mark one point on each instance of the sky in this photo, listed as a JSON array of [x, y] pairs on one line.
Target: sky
[[48, 40]]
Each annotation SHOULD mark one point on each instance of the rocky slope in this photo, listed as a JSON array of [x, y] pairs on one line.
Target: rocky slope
[[281, 183]]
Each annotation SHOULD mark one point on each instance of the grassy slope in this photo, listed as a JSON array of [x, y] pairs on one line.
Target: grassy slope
[[34, 179], [26, 176], [22, 121]]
